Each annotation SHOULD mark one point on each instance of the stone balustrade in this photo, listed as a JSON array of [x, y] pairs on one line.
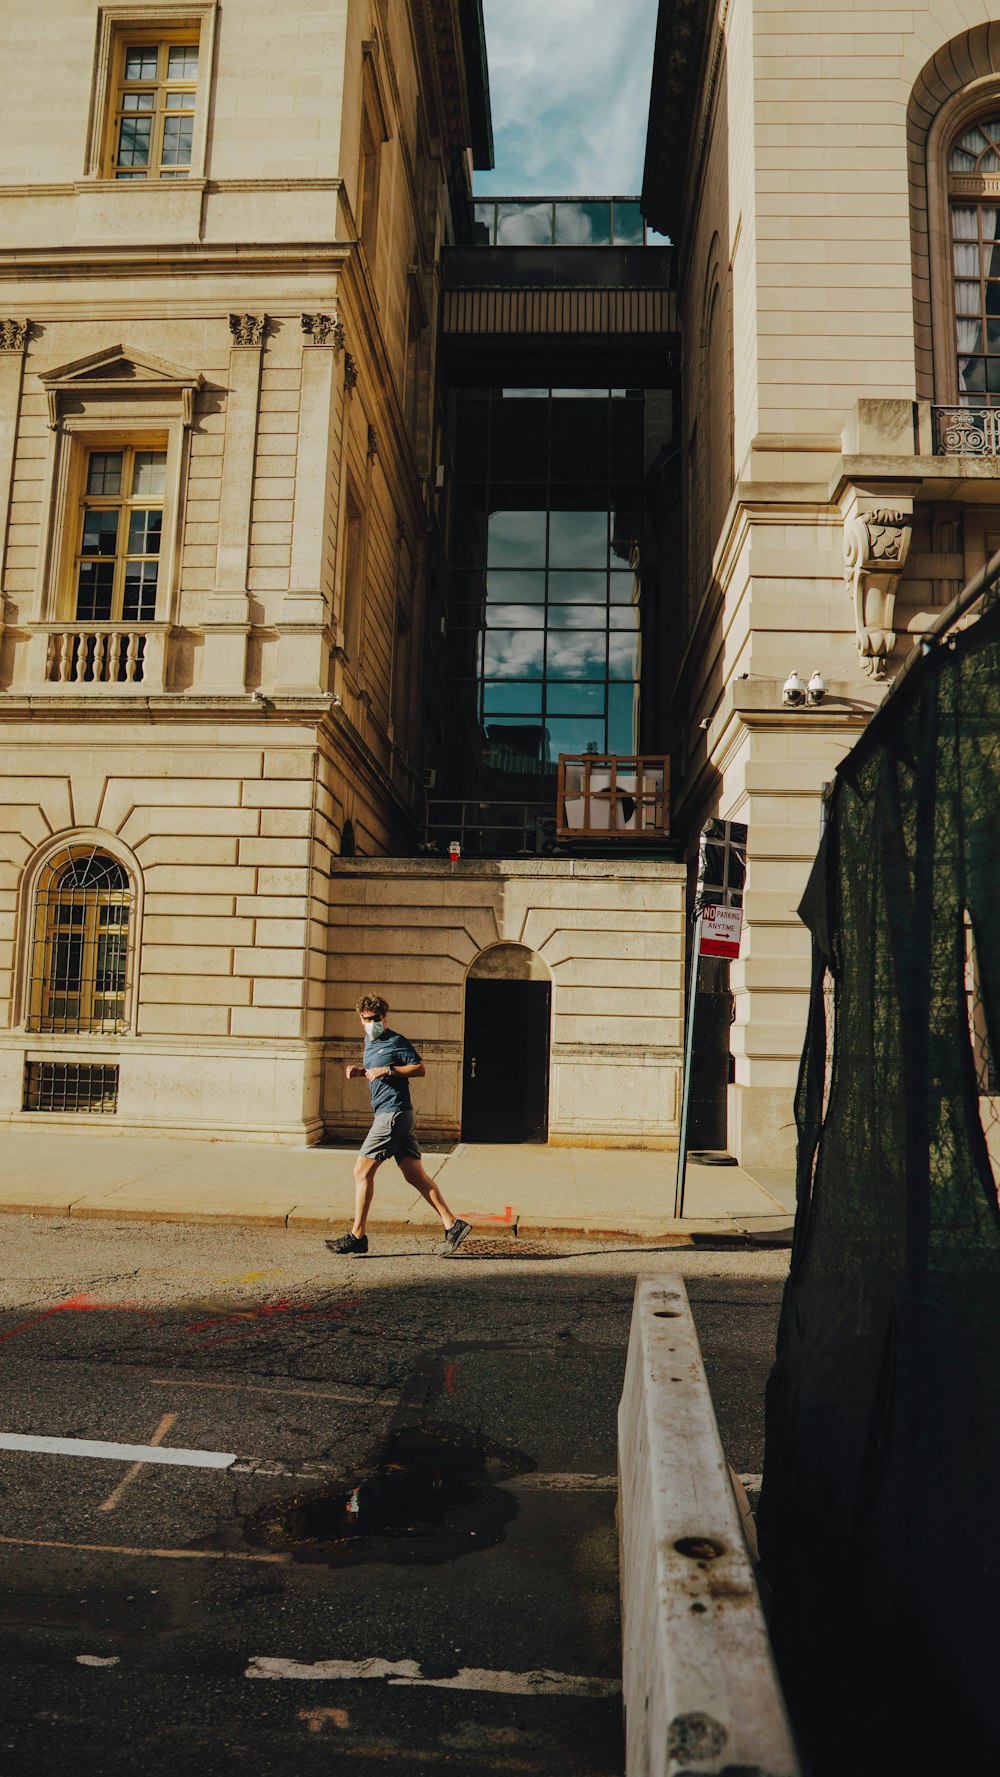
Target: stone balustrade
[[99, 657]]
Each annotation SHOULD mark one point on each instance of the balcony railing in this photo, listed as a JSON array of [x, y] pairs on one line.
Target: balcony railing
[[966, 431], [111, 656], [490, 829], [621, 797]]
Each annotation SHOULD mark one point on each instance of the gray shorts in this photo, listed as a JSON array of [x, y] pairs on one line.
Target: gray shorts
[[391, 1136]]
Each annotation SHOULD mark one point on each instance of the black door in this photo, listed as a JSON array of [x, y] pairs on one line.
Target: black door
[[506, 1090]]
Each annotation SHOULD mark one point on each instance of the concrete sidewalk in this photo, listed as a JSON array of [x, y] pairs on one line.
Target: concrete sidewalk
[[504, 1188]]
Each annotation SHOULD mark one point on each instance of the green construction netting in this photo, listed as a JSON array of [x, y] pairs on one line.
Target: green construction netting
[[880, 1512]]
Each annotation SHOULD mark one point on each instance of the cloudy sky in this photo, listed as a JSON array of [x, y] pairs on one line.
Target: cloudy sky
[[570, 87]]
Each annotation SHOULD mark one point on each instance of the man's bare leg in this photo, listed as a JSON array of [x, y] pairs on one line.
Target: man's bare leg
[[365, 1168], [414, 1174]]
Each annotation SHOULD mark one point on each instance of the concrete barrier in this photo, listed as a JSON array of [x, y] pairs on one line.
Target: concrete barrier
[[701, 1694]]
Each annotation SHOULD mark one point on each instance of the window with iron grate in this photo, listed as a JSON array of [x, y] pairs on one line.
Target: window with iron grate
[[80, 945], [71, 1087]]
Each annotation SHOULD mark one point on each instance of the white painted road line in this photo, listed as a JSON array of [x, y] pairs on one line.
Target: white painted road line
[[470, 1678], [10, 1440]]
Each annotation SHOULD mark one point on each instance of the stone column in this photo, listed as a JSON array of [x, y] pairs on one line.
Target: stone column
[[13, 343], [307, 617], [227, 627]]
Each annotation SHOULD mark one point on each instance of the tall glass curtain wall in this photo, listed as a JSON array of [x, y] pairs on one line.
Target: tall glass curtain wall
[[544, 624]]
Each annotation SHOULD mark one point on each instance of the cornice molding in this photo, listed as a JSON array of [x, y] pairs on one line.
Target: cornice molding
[[438, 34], [675, 107], [19, 265]]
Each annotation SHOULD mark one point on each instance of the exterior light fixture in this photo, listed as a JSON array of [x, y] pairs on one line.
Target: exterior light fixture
[[816, 688], [793, 691]]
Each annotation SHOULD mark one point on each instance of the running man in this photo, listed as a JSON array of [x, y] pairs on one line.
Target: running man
[[390, 1062]]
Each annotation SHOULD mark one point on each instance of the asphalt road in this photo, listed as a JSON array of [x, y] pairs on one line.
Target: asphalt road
[[421, 1511]]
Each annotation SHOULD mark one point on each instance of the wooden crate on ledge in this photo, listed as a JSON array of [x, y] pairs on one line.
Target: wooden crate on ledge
[[613, 797]]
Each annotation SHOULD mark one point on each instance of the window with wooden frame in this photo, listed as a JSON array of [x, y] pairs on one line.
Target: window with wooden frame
[[78, 969], [119, 527], [152, 120], [974, 205]]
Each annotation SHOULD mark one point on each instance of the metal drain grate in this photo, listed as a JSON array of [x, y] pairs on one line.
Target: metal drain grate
[[72, 1086]]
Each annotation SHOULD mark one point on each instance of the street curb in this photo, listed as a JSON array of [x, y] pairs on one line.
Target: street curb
[[681, 1235]]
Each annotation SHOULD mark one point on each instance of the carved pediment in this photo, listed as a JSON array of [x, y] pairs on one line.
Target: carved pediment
[[118, 370]]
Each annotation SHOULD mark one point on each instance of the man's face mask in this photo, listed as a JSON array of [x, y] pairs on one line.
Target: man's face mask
[[373, 1027]]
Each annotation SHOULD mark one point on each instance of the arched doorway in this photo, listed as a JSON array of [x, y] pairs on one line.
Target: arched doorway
[[508, 1016]]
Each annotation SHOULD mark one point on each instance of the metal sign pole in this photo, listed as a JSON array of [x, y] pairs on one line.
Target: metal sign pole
[[686, 1089]]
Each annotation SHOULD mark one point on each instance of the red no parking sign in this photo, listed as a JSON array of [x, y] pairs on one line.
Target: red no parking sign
[[719, 930]]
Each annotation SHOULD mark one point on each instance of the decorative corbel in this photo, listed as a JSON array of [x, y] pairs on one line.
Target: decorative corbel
[[14, 335], [325, 330], [350, 372], [876, 544], [248, 330]]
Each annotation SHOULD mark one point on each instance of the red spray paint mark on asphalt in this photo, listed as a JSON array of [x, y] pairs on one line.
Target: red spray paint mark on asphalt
[[78, 1305], [75, 1304], [482, 1215], [258, 1318], [449, 1378]]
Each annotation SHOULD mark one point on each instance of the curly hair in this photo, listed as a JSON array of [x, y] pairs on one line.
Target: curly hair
[[372, 1005]]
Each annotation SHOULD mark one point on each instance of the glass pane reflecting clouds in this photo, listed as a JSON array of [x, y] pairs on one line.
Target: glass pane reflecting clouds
[[583, 225], [624, 616], [578, 655], [628, 225], [576, 700], [582, 734], [507, 586], [556, 633], [515, 616], [623, 719], [624, 589], [578, 539], [623, 657], [577, 616], [581, 587], [516, 540], [524, 225], [509, 698], [514, 654]]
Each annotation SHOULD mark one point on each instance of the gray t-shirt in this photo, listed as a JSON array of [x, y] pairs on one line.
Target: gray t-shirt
[[389, 1050]]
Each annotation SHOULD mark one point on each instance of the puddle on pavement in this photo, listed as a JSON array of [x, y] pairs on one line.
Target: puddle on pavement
[[434, 1493]]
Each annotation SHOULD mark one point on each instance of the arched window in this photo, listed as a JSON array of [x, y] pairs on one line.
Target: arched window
[[80, 944], [973, 173]]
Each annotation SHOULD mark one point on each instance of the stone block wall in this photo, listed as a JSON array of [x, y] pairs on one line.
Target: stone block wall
[[228, 930], [610, 936]]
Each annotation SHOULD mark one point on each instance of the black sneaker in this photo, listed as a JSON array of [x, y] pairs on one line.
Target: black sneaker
[[454, 1237], [349, 1243]]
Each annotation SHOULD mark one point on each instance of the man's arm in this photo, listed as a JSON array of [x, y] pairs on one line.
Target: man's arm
[[410, 1070]]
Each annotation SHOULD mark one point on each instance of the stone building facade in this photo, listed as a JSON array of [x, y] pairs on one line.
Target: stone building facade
[[831, 179], [228, 473], [218, 308]]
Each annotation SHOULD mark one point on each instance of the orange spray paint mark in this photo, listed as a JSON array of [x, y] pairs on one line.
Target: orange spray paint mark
[[318, 1718]]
